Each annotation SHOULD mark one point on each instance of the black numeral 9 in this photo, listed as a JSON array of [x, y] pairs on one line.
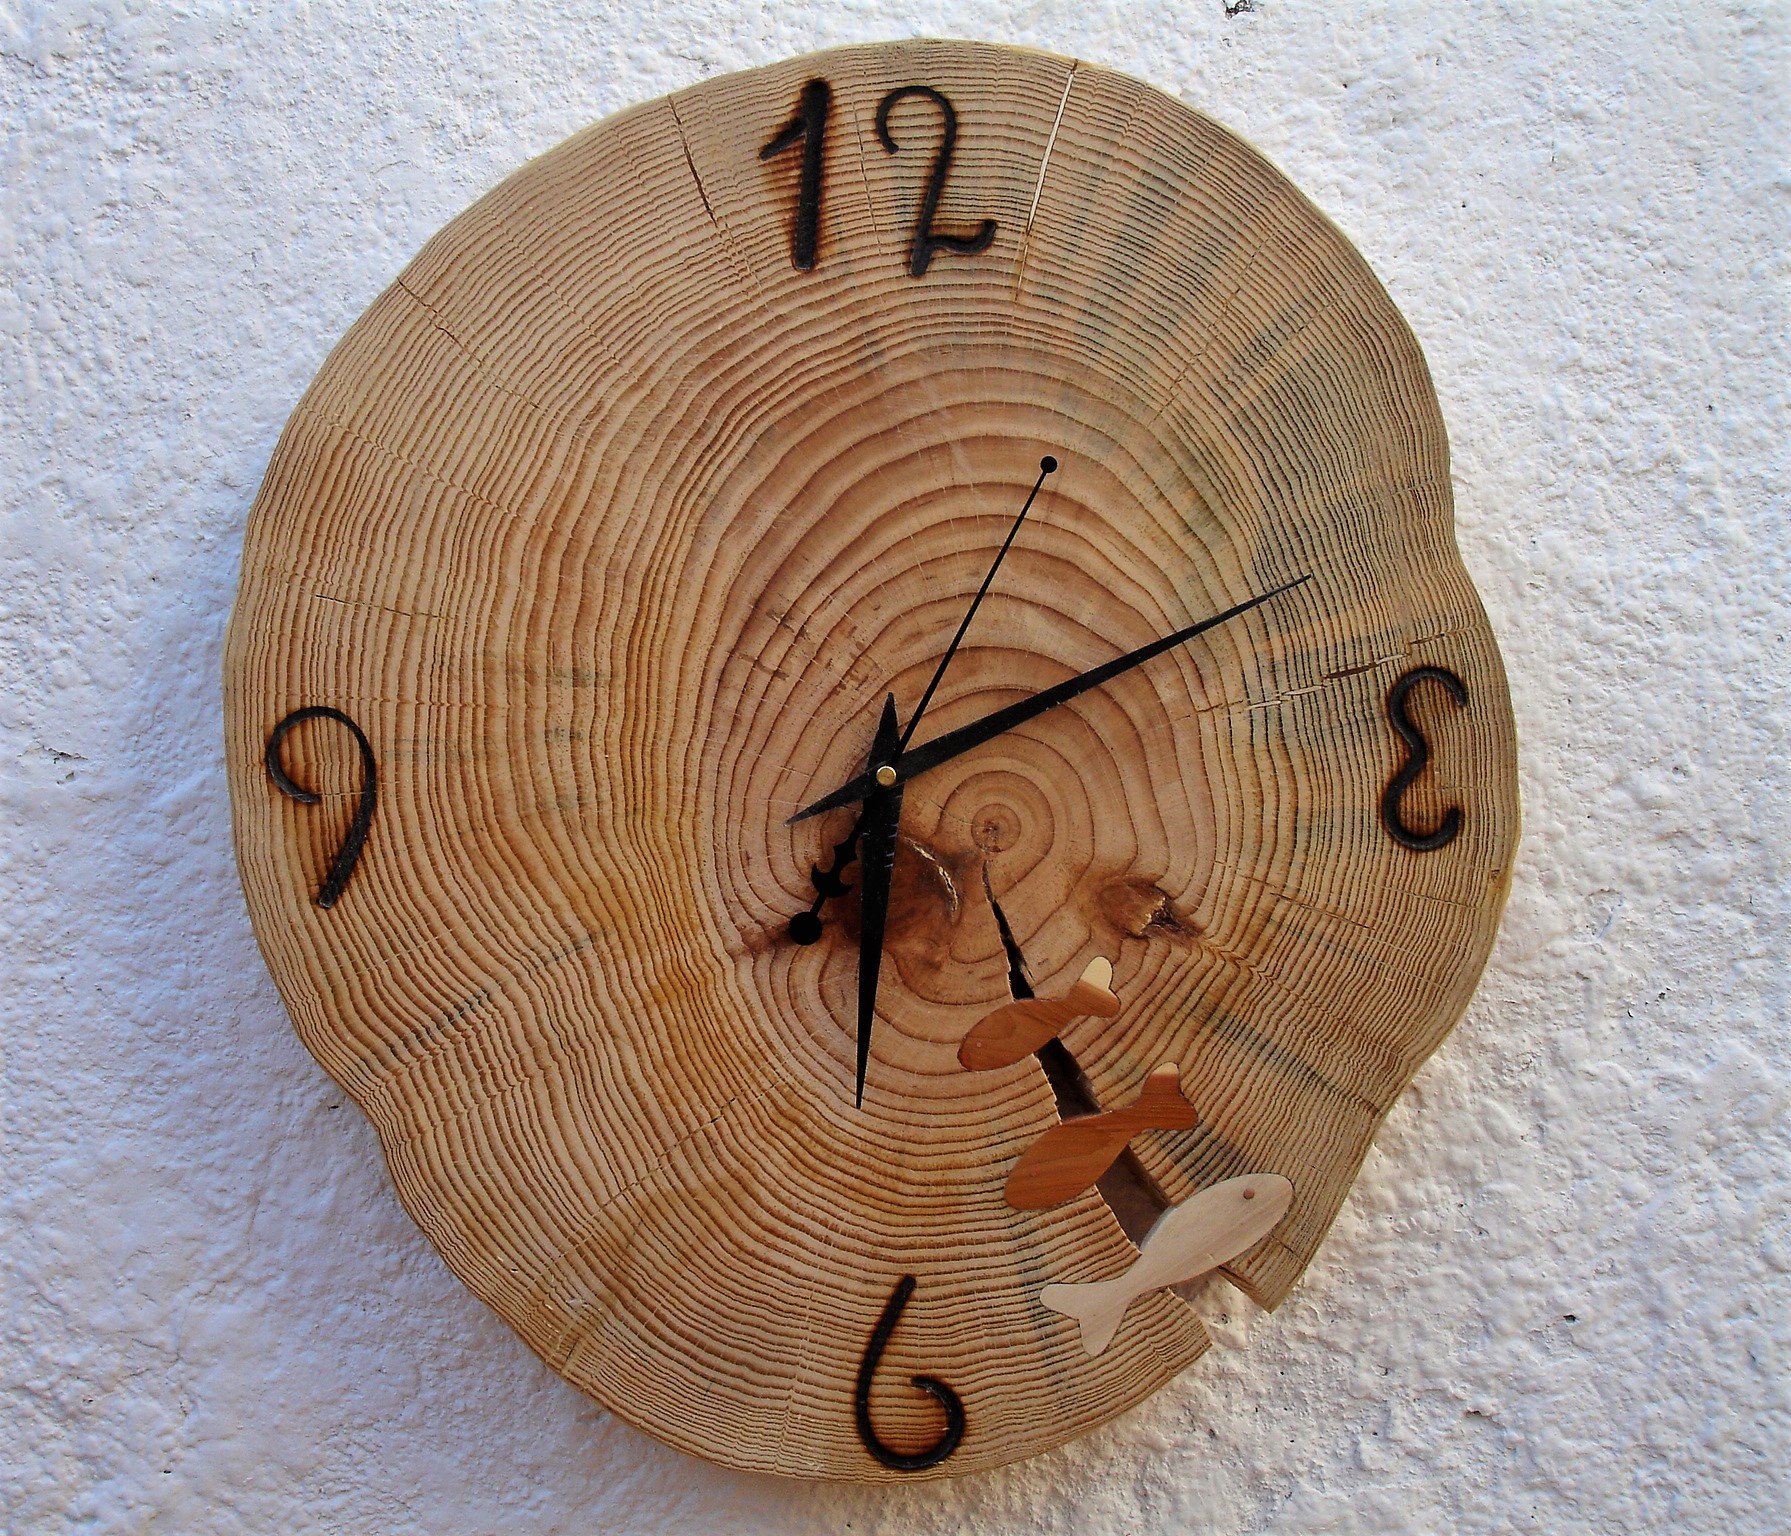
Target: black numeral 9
[[342, 866]]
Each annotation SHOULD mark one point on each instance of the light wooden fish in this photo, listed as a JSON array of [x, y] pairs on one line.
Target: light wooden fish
[[1203, 1232], [1015, 1030]]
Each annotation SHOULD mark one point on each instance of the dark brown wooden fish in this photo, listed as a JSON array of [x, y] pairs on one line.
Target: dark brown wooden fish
[[1070, 1157]]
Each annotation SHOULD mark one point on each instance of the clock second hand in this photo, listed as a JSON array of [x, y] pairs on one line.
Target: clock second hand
[[805, 927]]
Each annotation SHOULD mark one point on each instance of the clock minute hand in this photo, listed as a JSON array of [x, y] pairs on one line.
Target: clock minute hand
[[942, 749]]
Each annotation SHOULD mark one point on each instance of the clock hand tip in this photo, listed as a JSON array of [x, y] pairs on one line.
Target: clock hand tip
[[1273, 592], [844, 795], [1048, 464]]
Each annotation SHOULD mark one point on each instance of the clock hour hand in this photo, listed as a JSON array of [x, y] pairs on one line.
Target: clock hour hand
[[942, 749], [876, 862]]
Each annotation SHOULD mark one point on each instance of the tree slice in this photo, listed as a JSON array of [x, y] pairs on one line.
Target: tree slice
[[611, 527]]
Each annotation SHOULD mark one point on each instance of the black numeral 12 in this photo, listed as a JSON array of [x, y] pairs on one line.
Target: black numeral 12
[[809, 129]]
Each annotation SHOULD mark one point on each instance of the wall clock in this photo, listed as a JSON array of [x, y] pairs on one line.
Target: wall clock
[[855, 723]]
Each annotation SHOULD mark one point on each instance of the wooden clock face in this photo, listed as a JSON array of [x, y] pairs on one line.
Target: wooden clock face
[[593, 556]]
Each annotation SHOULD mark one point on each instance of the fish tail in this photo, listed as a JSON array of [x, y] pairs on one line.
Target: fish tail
[[1097, 1307], [1161, 1098]]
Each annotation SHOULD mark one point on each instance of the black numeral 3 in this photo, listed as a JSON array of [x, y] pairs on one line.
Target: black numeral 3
[[1417, 751]]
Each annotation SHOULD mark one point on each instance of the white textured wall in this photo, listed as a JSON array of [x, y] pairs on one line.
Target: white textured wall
[[1558, 1300]]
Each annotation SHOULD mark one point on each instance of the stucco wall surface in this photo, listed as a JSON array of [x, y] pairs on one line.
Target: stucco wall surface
[[1560, 1295]]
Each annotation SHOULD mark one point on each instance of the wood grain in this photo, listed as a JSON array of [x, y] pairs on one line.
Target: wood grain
[[611, 529]]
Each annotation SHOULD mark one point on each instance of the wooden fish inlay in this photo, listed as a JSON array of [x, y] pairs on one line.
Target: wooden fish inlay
[[1203, 1232], [1015, 1030], [1070, 1157]]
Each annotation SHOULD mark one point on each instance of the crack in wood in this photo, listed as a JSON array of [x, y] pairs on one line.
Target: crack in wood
[[1133, 1197], [1038, 190]]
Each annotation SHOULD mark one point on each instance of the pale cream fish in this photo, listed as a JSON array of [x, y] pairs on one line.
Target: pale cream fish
[[1203, 1232]]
